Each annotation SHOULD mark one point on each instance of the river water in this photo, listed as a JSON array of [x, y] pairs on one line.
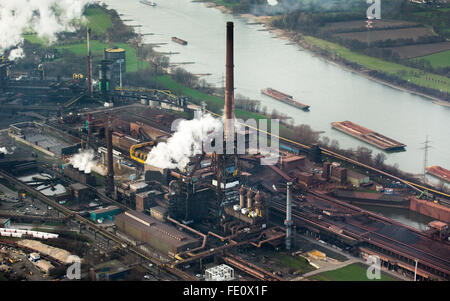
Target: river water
[[263, 60]]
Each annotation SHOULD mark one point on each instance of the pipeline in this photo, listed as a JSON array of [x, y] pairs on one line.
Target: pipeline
[[178, 256], [100, 230], [343, 158], [266, 275]]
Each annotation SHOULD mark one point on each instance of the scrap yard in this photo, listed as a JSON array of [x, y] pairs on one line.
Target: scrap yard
[[104, 176]]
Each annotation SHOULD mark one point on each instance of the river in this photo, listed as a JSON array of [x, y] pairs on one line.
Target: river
[[263, 60]]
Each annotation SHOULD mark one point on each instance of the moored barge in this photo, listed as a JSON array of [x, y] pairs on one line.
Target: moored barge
[[369, 136], [179, 41], [288, 99], [439, 172]]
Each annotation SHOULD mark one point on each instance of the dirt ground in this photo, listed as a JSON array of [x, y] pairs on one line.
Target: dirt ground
[[383, 35], [412, 51]]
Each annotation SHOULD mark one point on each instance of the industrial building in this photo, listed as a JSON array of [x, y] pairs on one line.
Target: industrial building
[[81, 192], [160, 236], [110, 271], [78, 175], [118, 66], [357, 179], [5, 223], [104, 213], [218, 203]]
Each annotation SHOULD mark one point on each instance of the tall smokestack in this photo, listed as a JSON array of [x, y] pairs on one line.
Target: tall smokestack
[[288, 221], [89, 64], [229, 91], [109, 154]]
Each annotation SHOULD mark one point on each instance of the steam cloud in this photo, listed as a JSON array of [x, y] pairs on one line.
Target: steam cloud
[[83, 161], [44, 17], [4, 150], [186, 142], [286, 6]]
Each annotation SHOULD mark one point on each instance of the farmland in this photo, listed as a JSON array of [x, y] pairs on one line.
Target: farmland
[[382, 35], [421, 50], [360, 25], [407, 48], [441, 59], [413, 75]]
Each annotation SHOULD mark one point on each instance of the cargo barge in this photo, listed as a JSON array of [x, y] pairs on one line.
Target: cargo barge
[[149, 3], [439, 172], [179, 41], [369, 136], [288, 99]]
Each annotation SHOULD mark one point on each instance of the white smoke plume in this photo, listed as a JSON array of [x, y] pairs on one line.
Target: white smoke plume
[[186, 142], [46, 18], [83, 161], [4, 150]]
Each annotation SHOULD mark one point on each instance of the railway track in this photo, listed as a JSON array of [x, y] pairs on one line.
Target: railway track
[[416, 187], [122, 244], [364, 233]]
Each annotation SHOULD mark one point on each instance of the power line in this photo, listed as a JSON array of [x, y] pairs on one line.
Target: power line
[[425, 159]]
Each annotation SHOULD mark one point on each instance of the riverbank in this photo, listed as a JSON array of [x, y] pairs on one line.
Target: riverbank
[[383, 69], [308, 44]]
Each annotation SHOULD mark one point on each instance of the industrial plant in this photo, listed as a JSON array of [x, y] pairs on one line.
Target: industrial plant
[[100, 170]]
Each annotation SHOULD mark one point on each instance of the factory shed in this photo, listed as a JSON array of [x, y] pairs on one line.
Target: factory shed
[[109, 212], [44, 265], [111, 271], [159, 213], [5, 223], [156, 234], [292, 162], [80, 192], [357, 179]]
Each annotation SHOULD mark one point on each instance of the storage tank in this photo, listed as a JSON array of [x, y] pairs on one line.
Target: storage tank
[[118, 66], [242, 197], [249, 200]]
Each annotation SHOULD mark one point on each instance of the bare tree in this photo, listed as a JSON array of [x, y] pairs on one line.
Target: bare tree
[[379, 159], [363, 154]]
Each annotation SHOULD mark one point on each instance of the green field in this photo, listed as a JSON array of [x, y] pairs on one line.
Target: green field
[[98, 20], [32, 38], [79, 49], [413, 75], [352, 272], [214, 103], [298, 263], [437, 60]]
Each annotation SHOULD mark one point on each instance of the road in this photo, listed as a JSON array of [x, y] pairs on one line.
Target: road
[[351, 260]]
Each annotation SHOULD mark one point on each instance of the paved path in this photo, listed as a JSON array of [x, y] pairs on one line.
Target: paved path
[[331, 267]]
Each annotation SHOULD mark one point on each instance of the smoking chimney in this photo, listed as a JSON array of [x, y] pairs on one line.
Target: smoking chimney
[[89, 64], [229, 91], [288, 221], [109, 147]]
